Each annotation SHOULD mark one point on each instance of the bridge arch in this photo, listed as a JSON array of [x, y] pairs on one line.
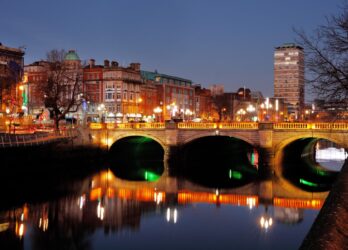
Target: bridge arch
[[286, 141], [114, 138], [278, 147], [200, 135]]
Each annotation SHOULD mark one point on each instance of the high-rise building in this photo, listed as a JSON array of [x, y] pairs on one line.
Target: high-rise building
[[289, 76]]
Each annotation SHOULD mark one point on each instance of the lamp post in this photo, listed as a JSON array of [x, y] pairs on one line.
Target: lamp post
[[173, 109], [138, 101], [188, 113], [241, 114], [101, 109], [251, 109], [158, 112]]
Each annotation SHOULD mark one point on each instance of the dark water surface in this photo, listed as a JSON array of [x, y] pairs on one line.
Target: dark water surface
[[148, 204]]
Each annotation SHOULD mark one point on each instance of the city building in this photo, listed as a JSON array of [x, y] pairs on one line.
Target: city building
[[203, 103], [217, 89], [149, 106], [35, 76], [289, 77], [11, 74], [175, 95], [121, 87], [93, 90]]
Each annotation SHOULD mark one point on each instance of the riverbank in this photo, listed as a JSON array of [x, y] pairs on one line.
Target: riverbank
[[330, 229]]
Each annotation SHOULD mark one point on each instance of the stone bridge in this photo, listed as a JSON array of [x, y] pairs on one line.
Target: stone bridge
[[269, 137]]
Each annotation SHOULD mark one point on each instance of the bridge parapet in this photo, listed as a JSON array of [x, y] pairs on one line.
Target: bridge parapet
[[224, 125]]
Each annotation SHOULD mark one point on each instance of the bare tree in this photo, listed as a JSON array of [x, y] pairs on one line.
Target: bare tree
[[327, 57], [221, 106], [55, 55], [62, 91]]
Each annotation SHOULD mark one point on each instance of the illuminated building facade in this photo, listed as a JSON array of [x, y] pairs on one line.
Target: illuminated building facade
[[289, 76], [175, 94], [121, 87], [203, 103], [35, 75], [11, 74]]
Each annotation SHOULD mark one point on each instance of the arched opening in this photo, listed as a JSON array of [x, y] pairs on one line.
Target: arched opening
[[312, 163], [137, 158], [219, 161]]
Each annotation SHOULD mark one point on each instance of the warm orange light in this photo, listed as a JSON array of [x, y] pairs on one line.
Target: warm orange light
[[95, 193], [298, 203], [192, 197], [21, 88]]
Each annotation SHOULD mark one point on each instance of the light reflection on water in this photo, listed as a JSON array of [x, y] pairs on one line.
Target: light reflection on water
[[169, 213]]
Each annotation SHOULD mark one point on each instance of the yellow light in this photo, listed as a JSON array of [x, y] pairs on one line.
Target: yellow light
[[21, 88], [21, 230]]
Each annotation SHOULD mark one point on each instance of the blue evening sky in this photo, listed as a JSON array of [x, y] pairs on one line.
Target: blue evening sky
[[208, 41]]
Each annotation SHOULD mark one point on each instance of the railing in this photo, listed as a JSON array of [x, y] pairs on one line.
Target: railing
[[14, 140], [317, 126], [291, 125], [223, 126], [197, 125], [239, 125], [154, 125]]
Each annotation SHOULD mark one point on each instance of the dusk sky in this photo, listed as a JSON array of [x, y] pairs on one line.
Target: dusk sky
[[209, 42]]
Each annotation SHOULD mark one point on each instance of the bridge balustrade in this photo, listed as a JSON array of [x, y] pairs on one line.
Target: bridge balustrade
[[291, 125], [331, 126], [239, 125], [197, 125], [224, 125]]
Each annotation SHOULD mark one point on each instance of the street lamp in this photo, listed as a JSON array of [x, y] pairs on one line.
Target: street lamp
[[188, 113], [241, 113], [173, 109], [251, 109], [158, 112], [138, 101], [101, 109]]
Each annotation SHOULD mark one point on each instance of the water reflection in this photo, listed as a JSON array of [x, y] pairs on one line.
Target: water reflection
[[220, 162], [300, 166], [111, 204], [140, 202]]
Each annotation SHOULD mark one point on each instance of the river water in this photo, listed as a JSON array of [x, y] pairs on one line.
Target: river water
[[161, 208]]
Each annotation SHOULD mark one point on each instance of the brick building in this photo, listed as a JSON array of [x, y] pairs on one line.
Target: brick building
[[203, 103], [175, 95], [11, 74], [35, 75]]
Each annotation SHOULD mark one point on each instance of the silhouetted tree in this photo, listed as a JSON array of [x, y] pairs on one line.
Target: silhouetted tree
[[62, 91], [326, 57]]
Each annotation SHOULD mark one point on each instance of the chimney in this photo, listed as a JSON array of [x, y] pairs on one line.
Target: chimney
[[106, 63], [91, 63], [135, 66], [114, 64]]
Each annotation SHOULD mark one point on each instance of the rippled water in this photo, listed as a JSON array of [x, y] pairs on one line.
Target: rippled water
[[148, 205]]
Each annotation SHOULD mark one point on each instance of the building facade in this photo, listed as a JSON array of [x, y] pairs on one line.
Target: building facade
[[289, 76], [11, 74], [121, 86], [203, 103], [35, 76], [175, 95]]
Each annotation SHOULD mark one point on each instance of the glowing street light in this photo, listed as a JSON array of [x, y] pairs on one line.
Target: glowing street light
[[158, 112]]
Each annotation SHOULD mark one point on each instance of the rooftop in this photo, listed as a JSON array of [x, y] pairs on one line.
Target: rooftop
[[289, 45], [149, 75], [71, 56]]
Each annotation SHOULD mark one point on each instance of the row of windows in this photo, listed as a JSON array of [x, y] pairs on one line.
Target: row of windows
[[179, 91]]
